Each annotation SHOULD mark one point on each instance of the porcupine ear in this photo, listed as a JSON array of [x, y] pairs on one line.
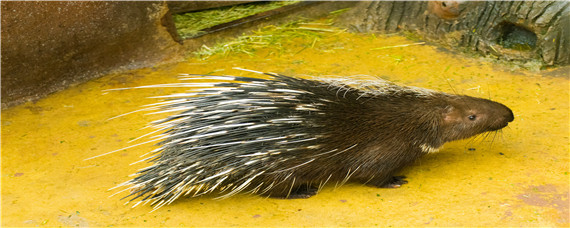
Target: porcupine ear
[[450, 114]]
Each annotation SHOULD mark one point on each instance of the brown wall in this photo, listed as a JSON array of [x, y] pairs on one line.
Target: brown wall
[[46, 46]]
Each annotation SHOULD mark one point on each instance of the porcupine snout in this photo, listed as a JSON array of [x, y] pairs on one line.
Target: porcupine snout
[[505, 114]]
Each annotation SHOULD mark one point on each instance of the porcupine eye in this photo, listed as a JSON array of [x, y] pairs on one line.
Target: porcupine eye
[[472, 117], [443, 4]]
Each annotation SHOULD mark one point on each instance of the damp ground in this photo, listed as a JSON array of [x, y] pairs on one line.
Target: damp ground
[[518, 177]]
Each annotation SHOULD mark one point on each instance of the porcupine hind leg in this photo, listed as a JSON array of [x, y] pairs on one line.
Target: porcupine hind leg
[[301, 191], [390, 182]]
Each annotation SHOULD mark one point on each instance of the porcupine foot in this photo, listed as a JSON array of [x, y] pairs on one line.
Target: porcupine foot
[[395, 182], [301, 192], [392, 182]]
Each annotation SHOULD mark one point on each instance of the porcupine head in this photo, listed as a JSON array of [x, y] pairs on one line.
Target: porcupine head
[[287, 137]]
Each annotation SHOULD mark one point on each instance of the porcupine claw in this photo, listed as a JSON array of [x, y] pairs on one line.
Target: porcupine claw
[[395, 182]]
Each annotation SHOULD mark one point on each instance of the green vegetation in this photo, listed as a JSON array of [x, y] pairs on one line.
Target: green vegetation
[[190, 24], [273, 38]]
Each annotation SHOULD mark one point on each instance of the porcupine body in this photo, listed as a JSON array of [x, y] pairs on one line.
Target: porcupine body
[[286, 137]]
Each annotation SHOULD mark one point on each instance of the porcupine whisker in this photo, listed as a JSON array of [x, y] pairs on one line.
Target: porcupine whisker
[[472, 139], [493, 140], [484, 136], [501, 135]]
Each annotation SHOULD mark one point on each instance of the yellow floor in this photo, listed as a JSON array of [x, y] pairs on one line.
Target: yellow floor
[[518, 177]]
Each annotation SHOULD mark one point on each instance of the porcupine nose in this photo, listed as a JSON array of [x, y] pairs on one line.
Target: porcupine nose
[[509, 117], [505, 112], [504, 116]]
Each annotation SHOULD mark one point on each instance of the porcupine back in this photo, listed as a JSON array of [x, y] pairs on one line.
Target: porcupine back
[[286, 137]]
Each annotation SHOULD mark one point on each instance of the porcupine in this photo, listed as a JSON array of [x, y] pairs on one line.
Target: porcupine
[[286, 137]]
